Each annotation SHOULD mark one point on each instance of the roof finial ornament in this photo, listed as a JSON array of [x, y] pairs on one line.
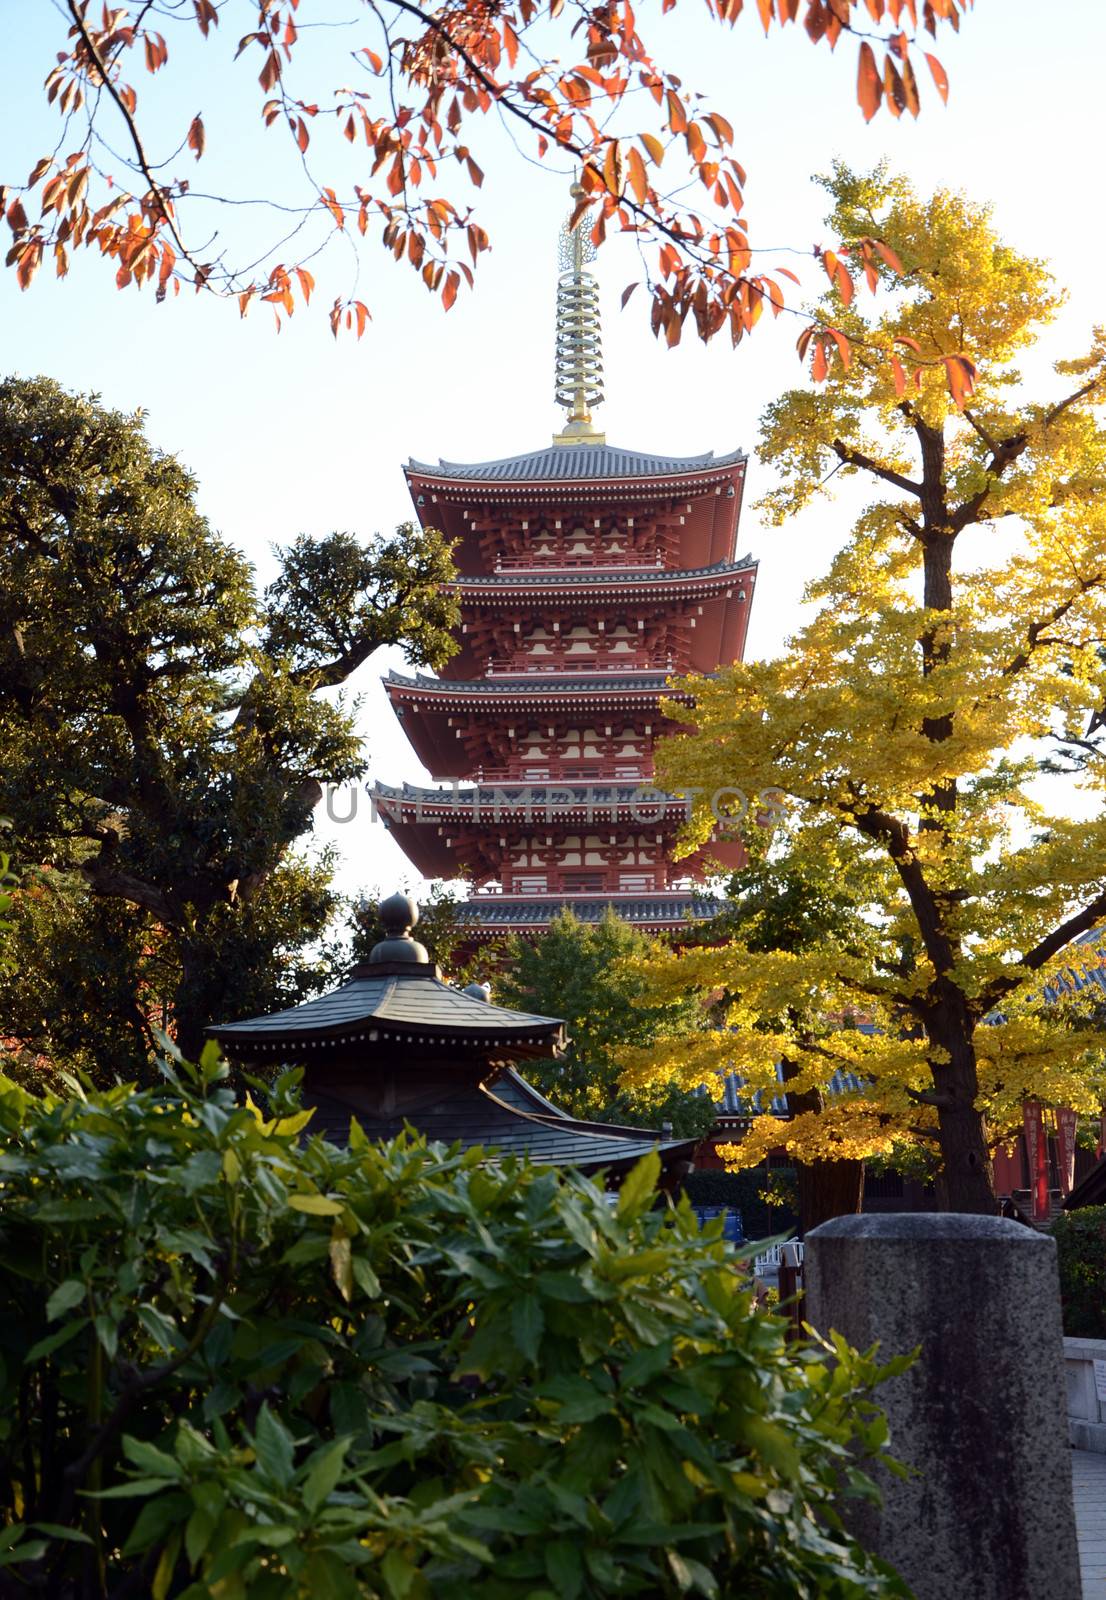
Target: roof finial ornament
[[578, 382], [399, 914]]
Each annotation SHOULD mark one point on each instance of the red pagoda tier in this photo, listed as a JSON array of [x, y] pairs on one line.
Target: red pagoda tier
[[589, 578]]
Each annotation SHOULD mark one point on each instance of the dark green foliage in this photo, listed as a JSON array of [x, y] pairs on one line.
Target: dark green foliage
[[748, 1193], [590, 975], [238, 1368], [1081, 1252], [164, 737]]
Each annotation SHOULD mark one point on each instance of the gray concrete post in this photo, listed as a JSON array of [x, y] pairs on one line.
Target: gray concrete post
[[980, 1415]]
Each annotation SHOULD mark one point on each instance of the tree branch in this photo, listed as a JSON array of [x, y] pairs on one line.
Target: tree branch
[[856, 458]]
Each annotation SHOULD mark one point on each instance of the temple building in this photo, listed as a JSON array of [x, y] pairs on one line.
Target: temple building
[[588, 578], [397, 1047]]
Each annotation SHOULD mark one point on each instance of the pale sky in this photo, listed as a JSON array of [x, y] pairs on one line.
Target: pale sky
[[296, 433]]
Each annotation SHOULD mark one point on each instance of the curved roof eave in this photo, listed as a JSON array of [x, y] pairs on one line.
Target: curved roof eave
[[575, 463]]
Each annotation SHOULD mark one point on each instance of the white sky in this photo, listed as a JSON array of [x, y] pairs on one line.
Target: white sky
[[295, 432]]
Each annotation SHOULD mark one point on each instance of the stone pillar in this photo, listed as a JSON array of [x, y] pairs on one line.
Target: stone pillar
[[980, 1415]]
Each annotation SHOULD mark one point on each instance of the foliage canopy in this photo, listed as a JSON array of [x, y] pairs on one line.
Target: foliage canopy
[[385, 134], [164, 733], [236, 1364], [955, 647], [593, 976]]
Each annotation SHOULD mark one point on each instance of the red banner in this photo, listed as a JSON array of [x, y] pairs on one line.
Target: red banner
[[1036, 1144]]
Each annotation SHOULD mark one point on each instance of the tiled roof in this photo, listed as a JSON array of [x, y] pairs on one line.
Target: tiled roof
[[482, 1116], [620, 577], [523, 796], [533, 683], [532, 911], [420, 1003], [575, 462]]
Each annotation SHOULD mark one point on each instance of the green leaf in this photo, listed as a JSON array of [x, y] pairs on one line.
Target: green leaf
[[274, 1446], [315, 1205], [564, 1567], [54, 1530], [691, 1574], [33, 1550], [108, 1335], [365, 1278], [399, 1573], [527, 1324], [54, 1341], [154, 1521], [341, 1265], [638, 1187], [64, 1298], [148, 1458], [325, 1470], [645, 1364]]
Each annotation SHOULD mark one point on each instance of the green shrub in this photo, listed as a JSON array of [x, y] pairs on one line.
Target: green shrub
[[747, 1193], [1081, 1249], [238, 1367]]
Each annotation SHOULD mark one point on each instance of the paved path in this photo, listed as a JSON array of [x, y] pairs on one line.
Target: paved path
[[1089, 1481]]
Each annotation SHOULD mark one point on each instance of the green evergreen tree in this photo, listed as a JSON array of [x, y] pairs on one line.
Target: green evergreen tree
[[591, 975], [164, 737]]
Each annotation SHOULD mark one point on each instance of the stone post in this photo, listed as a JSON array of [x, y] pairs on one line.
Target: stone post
[[980, 1415]]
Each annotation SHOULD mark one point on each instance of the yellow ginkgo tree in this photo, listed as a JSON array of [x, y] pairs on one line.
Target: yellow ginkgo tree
[[954, 654]]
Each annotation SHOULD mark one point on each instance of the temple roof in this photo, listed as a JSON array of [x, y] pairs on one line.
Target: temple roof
[[505, 1114], [575, 462], [516, 794], [618, 577], [415, 1004], [530, 684], [534, 911]]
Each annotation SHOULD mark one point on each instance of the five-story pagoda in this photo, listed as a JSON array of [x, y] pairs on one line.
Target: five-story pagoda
[[588, 576]]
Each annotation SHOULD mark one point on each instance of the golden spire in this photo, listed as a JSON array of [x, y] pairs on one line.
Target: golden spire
[[578, 382]]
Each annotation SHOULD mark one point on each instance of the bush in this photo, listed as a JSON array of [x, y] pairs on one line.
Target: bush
[[240, 1366], [744, 1192], [1081, 1249]]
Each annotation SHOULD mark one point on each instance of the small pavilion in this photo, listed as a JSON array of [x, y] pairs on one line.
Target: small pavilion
[[395, 1046]]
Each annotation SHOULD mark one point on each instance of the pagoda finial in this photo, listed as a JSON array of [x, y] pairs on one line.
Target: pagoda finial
[[578, 382]]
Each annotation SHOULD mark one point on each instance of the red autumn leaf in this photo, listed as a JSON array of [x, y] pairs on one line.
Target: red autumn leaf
[[307, 283], [819, 367], [869, 89], [911, 344], [803, 341], [910, 88], [844, 283], [844, 348], [962, 373], [889, 256], [449, 290], [940, 77], [639, 181], [899, 376], [196, 137]]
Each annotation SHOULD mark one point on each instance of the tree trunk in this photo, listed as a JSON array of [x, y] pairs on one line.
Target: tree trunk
[[189, 1018], [828, 1189], [968, 1182]]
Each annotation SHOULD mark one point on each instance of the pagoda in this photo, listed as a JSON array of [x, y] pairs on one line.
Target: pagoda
[[589, 577]]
